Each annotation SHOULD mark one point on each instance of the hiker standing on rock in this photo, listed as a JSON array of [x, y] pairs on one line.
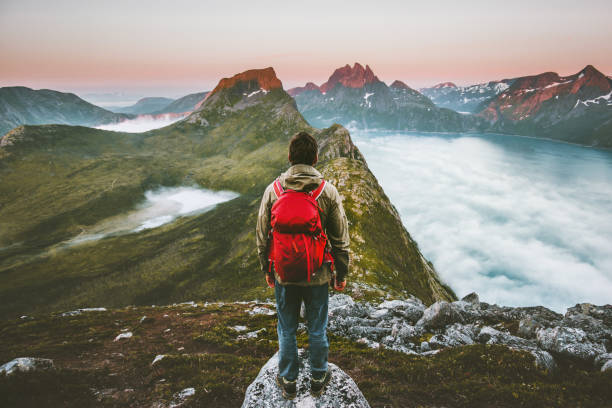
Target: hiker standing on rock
[[302, 236]]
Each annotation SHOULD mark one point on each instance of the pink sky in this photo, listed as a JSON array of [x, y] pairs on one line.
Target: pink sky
[[171, 48]]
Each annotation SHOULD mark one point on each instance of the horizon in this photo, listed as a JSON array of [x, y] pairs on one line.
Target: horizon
[[189, 47], [139, 92]]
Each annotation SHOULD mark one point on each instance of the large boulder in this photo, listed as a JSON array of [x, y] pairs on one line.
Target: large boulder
[[570, 342], [439, 315], [25, 364], [341, 392]]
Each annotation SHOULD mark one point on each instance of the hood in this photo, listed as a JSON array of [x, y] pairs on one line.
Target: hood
[[301, 177]]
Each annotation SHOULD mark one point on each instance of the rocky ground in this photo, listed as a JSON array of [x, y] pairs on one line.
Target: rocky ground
[[583, 335], [398, 352]]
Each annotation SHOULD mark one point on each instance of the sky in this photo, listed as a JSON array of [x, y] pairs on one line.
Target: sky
[[170, 48]]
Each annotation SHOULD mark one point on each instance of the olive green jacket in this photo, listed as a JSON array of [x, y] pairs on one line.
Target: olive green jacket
[[302, 177]]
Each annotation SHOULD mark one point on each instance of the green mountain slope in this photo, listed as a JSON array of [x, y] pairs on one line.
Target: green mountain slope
[[186, 103], [59, 181], [144, 105], [20, 105]]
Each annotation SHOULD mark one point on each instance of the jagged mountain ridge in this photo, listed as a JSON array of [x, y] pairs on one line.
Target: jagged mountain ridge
[[20, 105], [465, 99], [576, 108], [237, 140], [356, 97]]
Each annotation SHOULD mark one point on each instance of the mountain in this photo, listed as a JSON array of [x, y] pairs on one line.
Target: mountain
[[144, 105], [160, 106], [184, 104], [236, 140], [576, 108], [310, 86], [465, 99], [24, 106], [355, 96]]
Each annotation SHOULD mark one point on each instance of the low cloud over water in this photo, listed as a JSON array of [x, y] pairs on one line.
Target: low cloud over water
[[520, 221], [160, 207], [142, 123]]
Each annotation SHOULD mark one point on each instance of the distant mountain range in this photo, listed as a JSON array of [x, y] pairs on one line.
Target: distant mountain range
[[160, 105], [24, 106], [354, 96], [576, 108], [20, 105], [465, 99]]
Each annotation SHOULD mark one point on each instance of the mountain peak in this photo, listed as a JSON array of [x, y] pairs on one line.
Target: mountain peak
[[444, 85], [310, 86], [397, 84], [355, 77], [265, 78]]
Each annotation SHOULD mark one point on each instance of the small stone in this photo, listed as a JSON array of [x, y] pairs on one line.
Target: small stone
[[125, 335]]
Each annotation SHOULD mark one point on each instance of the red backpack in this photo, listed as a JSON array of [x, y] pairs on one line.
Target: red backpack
[[298, 241]]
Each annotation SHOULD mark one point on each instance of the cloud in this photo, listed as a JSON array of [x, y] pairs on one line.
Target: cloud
[[142, 123], [160, 207], [520, 221]]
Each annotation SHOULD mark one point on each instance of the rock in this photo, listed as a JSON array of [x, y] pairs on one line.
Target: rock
[[261, 310], [594, 328], [411, 310], [460, 335], [404, 332], [544, 360], [601, 359], [603, 313], [471, 298], [340, 392], [607, 366], [180, 397], [570, 342], [528, 326], [125, 335], [439, 315], [25, 364], [340, 301]]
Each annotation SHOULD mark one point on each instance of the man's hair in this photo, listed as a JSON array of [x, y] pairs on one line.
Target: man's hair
[[303, 149]]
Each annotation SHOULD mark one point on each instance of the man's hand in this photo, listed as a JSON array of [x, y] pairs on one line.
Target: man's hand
[[339, 286], [270, 280]]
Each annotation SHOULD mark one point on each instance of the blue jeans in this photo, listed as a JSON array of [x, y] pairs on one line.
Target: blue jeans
[[288, 302]]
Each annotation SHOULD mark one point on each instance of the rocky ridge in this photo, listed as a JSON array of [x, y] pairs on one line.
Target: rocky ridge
[[583, 334], [355, 97], [466, 99]]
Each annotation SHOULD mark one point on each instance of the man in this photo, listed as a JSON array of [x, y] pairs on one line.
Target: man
[[302, 176]]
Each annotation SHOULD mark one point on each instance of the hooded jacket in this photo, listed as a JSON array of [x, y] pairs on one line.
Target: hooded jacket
[[302, 177]]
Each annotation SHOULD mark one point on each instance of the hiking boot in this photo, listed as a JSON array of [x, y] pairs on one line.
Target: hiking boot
[[318, 386], [287, 387]]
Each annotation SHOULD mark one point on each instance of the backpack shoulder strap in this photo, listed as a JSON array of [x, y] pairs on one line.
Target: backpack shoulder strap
[[317, 191], [278, 188]]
